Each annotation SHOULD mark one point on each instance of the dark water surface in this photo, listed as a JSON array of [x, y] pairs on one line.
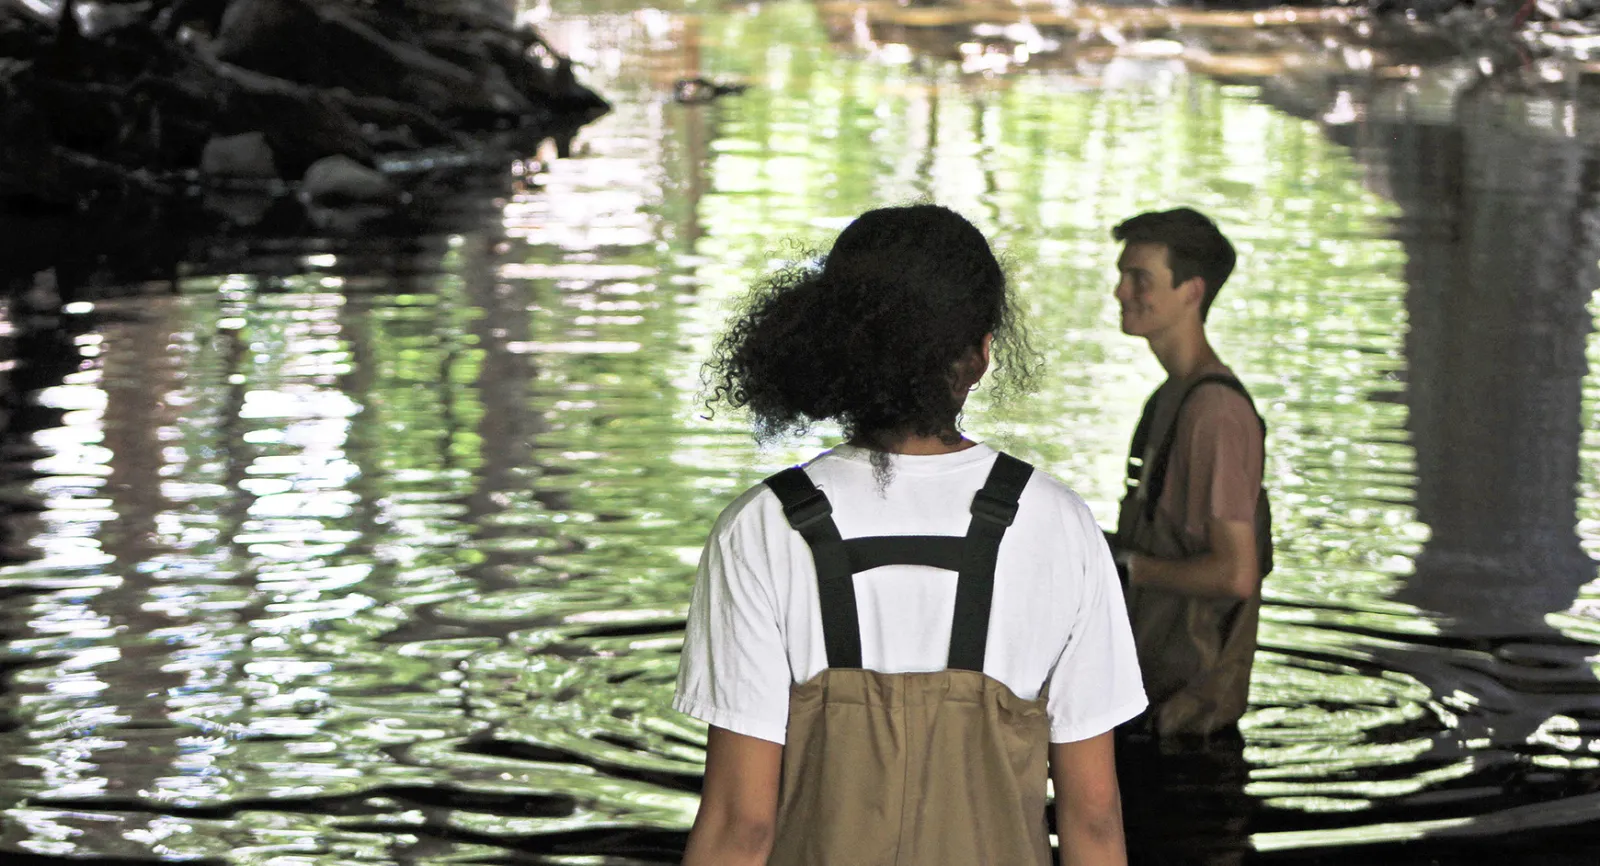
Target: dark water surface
[[373, 552]]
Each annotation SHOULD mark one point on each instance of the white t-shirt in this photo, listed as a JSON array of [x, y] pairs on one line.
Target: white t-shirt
[[755, 626]]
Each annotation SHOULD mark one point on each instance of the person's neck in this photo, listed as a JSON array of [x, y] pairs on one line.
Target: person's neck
[[1182, 351], [917, 445]]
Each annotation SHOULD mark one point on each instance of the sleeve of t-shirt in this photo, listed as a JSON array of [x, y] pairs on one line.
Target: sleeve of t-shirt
[[1222, 455], [1096, 683], [734, 671]]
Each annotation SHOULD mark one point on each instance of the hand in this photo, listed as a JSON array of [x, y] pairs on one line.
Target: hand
[[1124, 561], [1122, 557]]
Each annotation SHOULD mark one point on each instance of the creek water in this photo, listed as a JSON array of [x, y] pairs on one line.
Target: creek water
[[366, 550]]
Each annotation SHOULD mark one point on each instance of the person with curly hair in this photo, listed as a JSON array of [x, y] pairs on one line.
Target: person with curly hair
[[898, 643]]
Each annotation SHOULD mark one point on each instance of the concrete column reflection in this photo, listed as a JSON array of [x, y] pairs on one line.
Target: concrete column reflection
[[141, 371], [697, 127], [507, 427], [1501, 265]]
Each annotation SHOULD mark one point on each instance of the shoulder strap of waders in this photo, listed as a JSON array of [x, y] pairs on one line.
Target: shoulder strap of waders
[[994, 508], [1141, 441], [972, 556], [811, 515], [1156, 478]]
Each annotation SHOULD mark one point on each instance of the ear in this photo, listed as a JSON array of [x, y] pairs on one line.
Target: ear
[[980, 361], [970, 368], [1194, 291]]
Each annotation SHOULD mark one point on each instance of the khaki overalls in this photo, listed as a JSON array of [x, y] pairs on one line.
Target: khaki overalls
[[914, 769]]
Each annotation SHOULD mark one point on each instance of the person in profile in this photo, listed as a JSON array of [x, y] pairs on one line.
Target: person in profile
[[1193, 539], [896, 644], [1193, 536]]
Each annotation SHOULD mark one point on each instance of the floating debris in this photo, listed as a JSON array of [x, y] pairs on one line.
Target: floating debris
[[693, 91]]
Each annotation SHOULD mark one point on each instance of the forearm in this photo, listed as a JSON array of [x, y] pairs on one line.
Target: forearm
[[1091, 839], [737, 819], [1088, 803], [720, 841], [1205, 575]]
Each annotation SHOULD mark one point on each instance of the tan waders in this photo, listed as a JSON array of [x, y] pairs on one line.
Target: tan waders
[[1195, 653], [945, 768]]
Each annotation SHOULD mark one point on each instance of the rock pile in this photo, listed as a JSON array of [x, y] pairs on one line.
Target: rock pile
[[110, 102]]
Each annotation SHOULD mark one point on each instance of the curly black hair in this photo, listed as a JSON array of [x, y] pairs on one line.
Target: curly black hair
[[879, 335]]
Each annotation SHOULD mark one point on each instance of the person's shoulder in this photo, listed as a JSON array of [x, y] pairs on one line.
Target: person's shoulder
[[748, 512], [1215, 401], [758, 507]]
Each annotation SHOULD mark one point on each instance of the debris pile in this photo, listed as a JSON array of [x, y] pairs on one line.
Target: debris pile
[[325, 101]]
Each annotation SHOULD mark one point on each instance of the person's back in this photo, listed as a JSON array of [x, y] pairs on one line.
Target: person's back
[[944, 753], [891, 642]]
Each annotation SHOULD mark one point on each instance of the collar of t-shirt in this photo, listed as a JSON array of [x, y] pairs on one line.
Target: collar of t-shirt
[[917, 464]]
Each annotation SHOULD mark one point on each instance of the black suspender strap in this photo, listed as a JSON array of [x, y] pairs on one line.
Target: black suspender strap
[[993, 510], [1141, 441], [936, 551], [1156, 477], [810, 513]]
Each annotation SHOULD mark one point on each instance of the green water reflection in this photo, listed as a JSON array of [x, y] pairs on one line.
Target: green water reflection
[[362, 563]]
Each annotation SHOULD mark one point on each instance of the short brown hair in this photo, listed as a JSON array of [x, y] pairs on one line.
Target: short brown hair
[[1195, 247]]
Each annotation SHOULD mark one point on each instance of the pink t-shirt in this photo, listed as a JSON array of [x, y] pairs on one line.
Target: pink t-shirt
[[1215, 469]]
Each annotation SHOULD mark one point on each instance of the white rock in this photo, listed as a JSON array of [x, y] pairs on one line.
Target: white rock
[[340, 178], [246, 155]]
